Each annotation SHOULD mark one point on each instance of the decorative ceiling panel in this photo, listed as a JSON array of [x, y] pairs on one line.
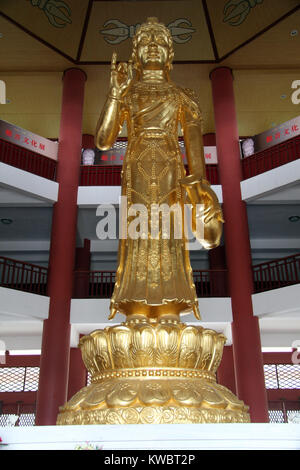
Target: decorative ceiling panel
[[58, 23], [236, 22], [113, 24], [87, 31]]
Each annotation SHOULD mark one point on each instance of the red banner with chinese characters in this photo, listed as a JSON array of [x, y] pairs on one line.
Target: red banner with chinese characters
[[115, 156], [28, 140]]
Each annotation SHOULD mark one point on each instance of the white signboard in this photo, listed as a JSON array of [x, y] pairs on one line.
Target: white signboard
[[28, 140]]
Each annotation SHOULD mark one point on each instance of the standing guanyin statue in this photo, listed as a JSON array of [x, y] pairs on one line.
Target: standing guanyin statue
[[153, 368]]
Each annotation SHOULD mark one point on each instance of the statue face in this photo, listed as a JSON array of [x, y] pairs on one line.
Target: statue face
[[153, 49]]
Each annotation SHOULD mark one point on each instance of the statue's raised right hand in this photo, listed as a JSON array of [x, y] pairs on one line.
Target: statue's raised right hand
[[121, 76]]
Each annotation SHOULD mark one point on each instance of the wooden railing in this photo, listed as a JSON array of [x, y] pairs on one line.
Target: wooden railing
[[277, 273], [273, 157], [26, 160], [211, 282], [100, 284], [23, 276]]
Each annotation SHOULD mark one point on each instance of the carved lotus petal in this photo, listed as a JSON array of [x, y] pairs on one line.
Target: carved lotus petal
[[167, 345], [232, 400], [97, 394], [207, 346], [88, 353], [123, 394], [120, 340], [76, 400], [184, 393], [102, 355], [142, 346], [190, 347], [211, 397], [154, 392], [218, 352]]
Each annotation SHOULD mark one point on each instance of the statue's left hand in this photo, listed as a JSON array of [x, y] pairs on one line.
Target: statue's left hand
[[207, 217], [208, 199]]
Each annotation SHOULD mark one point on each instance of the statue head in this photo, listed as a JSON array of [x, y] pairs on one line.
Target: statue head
[[152, 47]]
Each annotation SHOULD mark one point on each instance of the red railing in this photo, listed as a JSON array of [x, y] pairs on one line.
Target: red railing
[[211, 282], [23, 276], [273, 157], [284, 411], [100, 284], [110, 175], [26, 160], [100, 175], [277, 273]]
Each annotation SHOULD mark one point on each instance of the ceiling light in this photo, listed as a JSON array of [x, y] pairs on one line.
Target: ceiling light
[[6, 221], [294, 218], [294, 32]]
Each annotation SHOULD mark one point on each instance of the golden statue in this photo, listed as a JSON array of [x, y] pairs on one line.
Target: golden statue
[[153, 368], [154, 277]]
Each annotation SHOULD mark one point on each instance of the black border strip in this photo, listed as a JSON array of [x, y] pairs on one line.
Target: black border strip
[[84, 30], [210, 30]]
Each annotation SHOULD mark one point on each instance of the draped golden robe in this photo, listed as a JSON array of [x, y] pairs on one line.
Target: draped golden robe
[[154, 274]]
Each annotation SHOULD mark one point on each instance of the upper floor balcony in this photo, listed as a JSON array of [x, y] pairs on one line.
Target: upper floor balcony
[[110, 175]]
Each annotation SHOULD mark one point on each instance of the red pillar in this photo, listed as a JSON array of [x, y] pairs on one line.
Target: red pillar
[[225, 371], [55, 352], [77, 372], [248, 358]]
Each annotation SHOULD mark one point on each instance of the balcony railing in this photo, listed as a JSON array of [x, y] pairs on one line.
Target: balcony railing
[[273, 157], [26, 160], [110, 175], [100, 284], [23, 276], [284, 411], [277, 273]]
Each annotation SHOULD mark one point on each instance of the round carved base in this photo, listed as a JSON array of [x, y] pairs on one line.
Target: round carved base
[[154, 398]]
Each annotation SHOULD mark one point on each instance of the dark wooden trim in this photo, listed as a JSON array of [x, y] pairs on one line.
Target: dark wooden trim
[[21, 361], [188, 62], [284, 394], [278, 358], [210, 30], [84, 31], [10, 398]]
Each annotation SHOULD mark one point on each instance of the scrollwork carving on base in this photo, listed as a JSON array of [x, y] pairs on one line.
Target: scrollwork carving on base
[[153, 415]]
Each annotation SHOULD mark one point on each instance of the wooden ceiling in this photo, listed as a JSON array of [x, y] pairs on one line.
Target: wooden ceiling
[[258, 39]]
